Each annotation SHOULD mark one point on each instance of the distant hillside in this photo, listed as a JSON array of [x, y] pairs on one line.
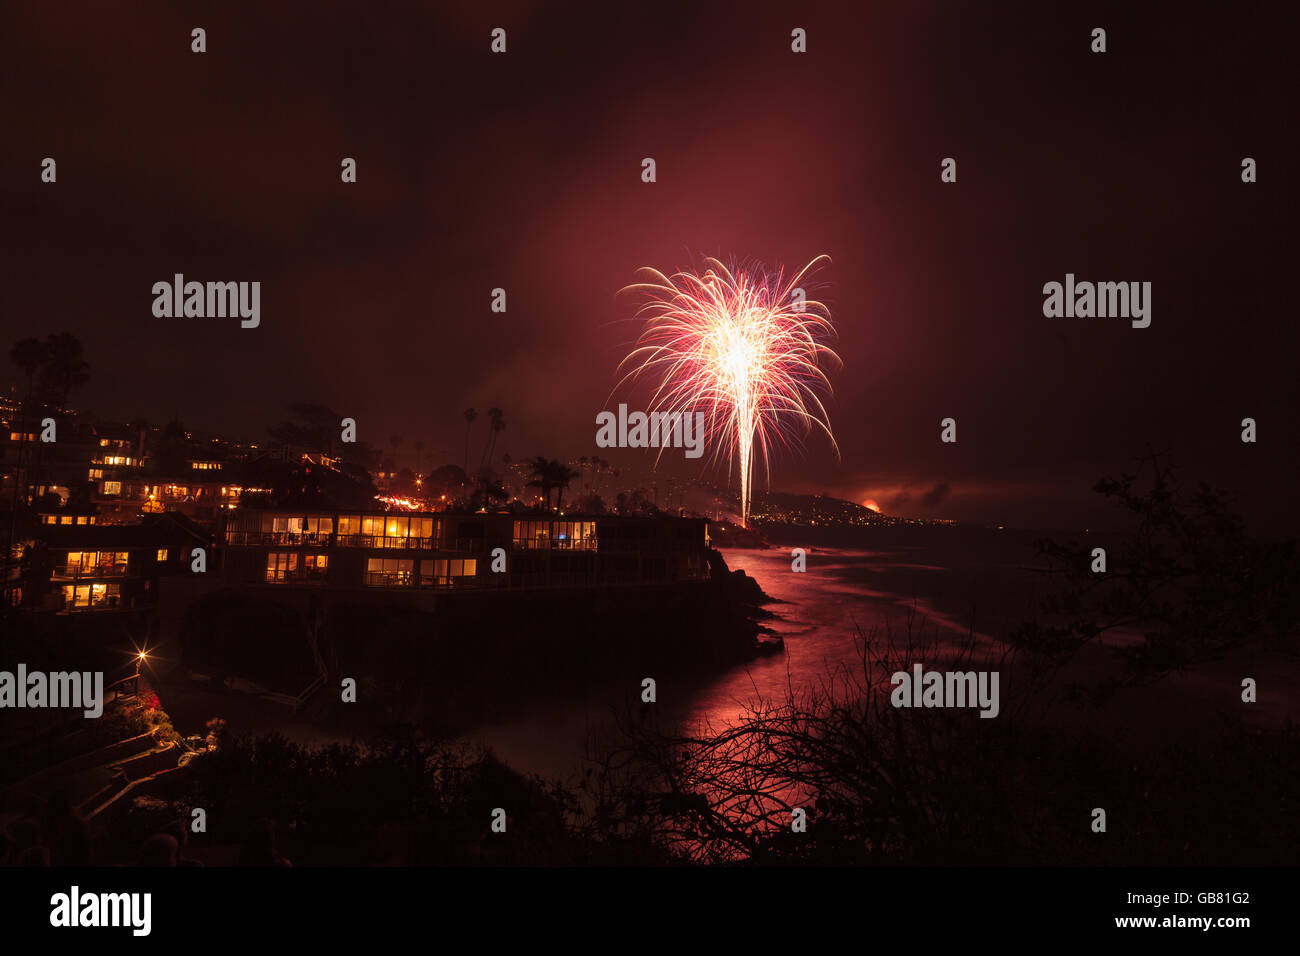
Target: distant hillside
[[781, 508]]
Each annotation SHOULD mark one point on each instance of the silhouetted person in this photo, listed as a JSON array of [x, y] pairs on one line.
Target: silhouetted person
[[161, 849], [259, 847]]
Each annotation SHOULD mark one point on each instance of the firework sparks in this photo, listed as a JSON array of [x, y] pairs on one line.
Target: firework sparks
[[746, 348]]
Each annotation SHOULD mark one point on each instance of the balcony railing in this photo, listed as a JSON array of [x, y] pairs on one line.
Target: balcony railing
[[295, 576], [322, 539], [384, 541], [253, 538], [389, 579], [103, 602], [464, 545], [409, 579], [75, 572], [555, 544]]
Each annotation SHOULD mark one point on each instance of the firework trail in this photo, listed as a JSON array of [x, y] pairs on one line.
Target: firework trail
[[743, 346]]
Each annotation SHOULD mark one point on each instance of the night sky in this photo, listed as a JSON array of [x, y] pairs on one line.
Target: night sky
[[523, 171]]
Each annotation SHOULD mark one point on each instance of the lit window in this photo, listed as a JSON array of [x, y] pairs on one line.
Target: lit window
[[112, 487], [389, 572], [444, 572], [280, 565], [162, 554]]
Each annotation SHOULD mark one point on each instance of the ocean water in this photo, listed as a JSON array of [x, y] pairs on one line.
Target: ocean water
[[945, 595]]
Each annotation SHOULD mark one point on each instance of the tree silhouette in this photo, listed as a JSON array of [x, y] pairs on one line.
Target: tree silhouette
[[317, 427], [1188, 577], [496, 426], [487, 493], [30, 355], [561, 476], [64, 369], [543, 478]]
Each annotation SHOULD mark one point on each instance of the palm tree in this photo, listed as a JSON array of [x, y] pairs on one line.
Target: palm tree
[[470, 415], [29, 355], [561, 476], [498, 425], [543, 470], [65, 368], [487, 494]]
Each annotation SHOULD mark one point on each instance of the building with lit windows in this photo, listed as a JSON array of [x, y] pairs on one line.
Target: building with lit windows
[[88, 567], [443, 551]]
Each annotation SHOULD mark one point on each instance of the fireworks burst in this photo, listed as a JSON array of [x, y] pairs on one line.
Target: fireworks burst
[[746, 348]]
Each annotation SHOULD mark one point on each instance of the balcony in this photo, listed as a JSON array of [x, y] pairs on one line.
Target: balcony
[[75, 572], [389, 579], [255, 538], [409, 579], [311, 576], [383, 541], [90, 597], [554, 544]]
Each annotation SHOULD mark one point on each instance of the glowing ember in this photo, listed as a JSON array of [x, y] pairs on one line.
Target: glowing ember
[[743, 347], [870, 505]]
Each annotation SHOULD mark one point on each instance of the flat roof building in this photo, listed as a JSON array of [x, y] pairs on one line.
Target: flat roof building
[[414, 550]]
